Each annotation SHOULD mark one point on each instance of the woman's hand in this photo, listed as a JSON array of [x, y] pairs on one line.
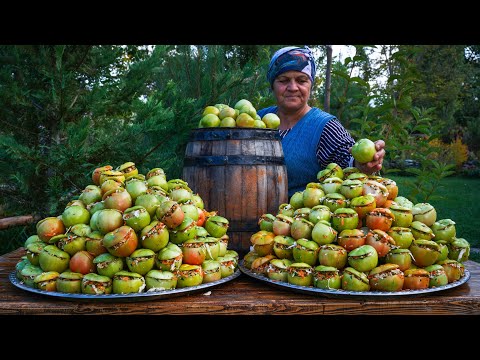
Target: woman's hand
[[374, 165]]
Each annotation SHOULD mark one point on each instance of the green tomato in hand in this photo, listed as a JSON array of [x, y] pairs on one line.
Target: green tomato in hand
[[364, 150]]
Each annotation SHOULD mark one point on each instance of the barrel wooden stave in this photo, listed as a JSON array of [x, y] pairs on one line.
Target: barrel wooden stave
[[239, 192]]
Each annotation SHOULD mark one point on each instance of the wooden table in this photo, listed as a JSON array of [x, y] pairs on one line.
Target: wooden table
[[243, 296]]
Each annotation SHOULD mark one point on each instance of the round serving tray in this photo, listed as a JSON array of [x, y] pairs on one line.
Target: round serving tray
[[143, 296], [334, 293]]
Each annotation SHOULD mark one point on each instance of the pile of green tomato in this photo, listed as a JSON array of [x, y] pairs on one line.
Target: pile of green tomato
[[128, 233], [243, 115], [353, 232]]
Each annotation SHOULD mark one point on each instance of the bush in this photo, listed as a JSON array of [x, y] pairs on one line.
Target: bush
[[455, 152], [471, 168]]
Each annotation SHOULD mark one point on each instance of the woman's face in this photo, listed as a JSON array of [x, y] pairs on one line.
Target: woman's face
[[292, 90]]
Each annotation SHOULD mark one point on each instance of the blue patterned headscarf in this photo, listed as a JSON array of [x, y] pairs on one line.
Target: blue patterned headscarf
[[291, 58]]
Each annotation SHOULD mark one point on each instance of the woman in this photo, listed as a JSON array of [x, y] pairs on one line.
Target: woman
[[311, 138]]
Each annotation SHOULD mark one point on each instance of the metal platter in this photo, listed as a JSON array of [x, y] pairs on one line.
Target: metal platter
[[143, 296], [339, 293]]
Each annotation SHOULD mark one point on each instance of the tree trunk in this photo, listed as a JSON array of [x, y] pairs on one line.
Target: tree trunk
[[328, 79], [9, 222]]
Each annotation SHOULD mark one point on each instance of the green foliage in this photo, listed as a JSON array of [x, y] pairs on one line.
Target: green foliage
[[387, 112], [468, 115], [198, 76], [474, 256], [351, 93], [427, 183], [414, 141], [78, 107], [441, 73], [65, 110], [15, 237], [213, 74]]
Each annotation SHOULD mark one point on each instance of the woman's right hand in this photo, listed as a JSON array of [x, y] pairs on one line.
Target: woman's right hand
[[376, 164]]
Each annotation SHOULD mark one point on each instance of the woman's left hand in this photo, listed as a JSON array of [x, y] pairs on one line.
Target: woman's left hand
[[376, 164]]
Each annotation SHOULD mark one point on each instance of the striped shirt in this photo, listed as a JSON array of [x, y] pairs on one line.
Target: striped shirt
[[333, 145]]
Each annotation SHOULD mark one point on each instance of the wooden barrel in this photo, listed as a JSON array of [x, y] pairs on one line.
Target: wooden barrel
[[240, 173]]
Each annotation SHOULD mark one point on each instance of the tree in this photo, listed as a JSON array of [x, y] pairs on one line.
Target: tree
[[66, 110], [468, 115], [349, 90], [441, 71], [328, 78]]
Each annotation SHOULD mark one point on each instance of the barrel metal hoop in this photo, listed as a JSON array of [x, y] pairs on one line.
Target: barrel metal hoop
[[232, 160], [234, 134]]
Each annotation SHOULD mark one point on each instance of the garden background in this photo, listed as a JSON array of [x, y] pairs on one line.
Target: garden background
[[67, 109]]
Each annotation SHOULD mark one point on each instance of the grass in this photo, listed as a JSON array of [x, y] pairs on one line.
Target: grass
[[474, 256], [13, 238], [461, 199]]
